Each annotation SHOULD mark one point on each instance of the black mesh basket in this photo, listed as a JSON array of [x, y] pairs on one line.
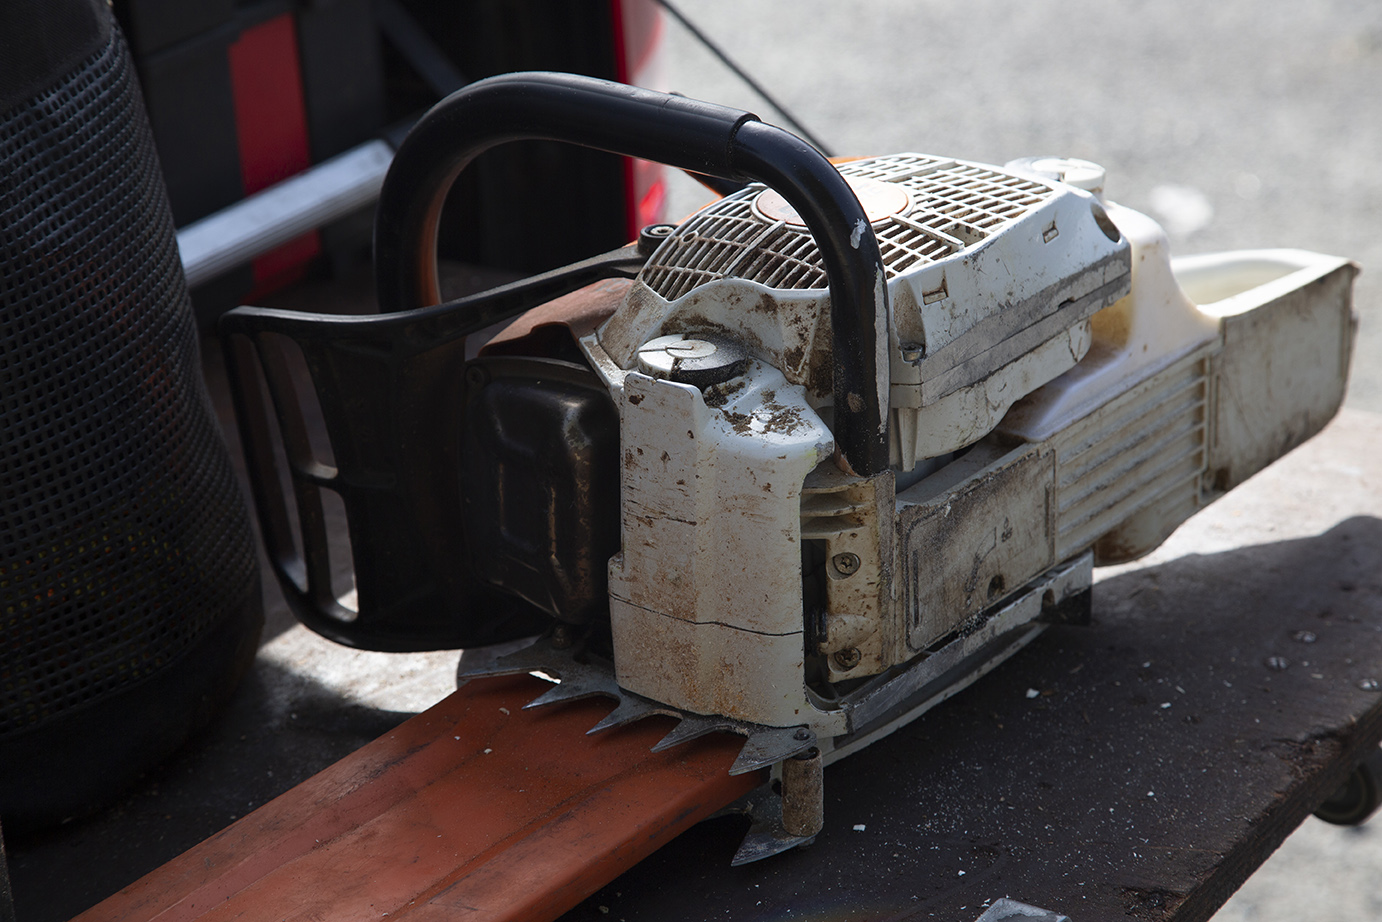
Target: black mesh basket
[[129, 590]]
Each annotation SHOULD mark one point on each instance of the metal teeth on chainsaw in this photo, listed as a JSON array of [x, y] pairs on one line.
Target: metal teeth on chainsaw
[[769, 745], [578, 679], [632, 708], [514, 658], [573, 688], [767, 836], [691, 727], [763, 746]]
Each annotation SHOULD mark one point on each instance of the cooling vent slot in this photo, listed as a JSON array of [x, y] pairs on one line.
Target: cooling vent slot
[[954, 205]]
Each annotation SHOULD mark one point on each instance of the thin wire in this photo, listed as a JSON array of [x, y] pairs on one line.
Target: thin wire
[[739, 71]]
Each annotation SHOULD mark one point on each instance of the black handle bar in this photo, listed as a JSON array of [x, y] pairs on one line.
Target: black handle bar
[[684, 133]]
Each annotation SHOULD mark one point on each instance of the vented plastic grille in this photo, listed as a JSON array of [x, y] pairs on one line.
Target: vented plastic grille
[[1148, 445], [123, 535], [954, 205]]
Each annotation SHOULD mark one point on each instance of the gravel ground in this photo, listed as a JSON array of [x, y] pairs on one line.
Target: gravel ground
[[1236, 124]]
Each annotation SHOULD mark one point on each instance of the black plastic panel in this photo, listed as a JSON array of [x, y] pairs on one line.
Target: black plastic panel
[[192, 110], [342, 76], [538, 205], [152, 25], [541, 483]]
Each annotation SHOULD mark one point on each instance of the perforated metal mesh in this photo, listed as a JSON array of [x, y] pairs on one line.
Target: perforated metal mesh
[[953, 205], [123, 535]]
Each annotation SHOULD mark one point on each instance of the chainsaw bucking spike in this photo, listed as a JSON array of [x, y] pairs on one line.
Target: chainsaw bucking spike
[[504, 659], [770, 745], [631, 708], [758, 845], [766, 836], [690, 728], [570, 690]]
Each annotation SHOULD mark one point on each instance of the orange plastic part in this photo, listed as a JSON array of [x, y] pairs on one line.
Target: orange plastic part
[[474, 810]]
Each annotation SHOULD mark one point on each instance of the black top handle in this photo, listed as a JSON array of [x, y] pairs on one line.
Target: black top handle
[[684, 133]]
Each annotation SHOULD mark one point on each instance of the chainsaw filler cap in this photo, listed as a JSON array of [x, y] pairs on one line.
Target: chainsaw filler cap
[[701, 361], [879, 200]]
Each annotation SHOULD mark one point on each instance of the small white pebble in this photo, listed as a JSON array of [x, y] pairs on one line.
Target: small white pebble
[[488, 751], [1151, 793], [504, 711], [1033, 693], [605, 910], [1147, 665], [859, 827], [962, 873], [455, 737], [1165, 704]]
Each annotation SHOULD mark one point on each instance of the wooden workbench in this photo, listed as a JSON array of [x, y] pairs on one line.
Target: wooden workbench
[[1139, 768]]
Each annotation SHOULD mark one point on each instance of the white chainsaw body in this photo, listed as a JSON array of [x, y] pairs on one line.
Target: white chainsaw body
[[1055, 393], [1027, 386]]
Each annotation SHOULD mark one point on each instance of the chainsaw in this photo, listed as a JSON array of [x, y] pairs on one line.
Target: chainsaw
[[799, 467]]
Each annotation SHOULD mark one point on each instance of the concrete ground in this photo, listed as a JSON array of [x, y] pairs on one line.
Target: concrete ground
[[1237, 124]]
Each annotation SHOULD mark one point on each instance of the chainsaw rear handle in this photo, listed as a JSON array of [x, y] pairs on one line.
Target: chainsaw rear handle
[[684, 133]]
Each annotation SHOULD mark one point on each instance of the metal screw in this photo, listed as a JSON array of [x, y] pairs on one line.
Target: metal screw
[[996, 587], [848, 658], [476, 376], [562, 636], [802, 735], [1279, 663], [845, 564], [651, 236]]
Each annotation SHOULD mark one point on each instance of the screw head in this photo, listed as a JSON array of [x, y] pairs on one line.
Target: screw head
[[563, 636], [845, 564], [802, 735], [848, 658], [650, 237]]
